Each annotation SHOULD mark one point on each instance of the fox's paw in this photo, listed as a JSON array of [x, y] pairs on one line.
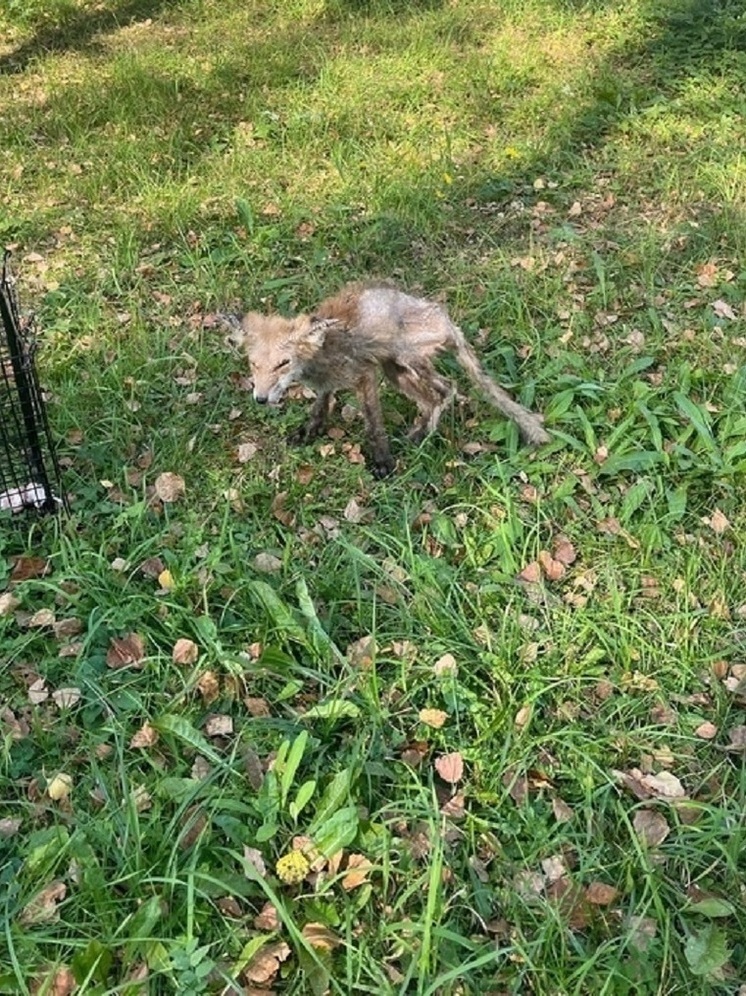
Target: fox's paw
[[383, 467]]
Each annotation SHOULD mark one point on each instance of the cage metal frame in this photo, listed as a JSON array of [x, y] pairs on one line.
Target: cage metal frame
[[29, 471]]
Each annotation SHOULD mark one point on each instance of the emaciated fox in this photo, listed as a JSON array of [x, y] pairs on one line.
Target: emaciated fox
[[348, 341]]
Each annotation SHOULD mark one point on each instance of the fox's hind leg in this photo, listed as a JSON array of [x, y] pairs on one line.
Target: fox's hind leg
[[316, 420], [421, 383], [367, 390]]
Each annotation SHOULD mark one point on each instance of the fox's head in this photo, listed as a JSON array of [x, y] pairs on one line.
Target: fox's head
[[279, 350]]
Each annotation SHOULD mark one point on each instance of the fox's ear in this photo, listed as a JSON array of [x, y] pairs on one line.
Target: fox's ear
[[317, 329]]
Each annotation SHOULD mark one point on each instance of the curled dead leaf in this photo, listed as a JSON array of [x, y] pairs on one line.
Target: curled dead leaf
[[450, 767], [266, 963], [433, 717], [219, 726], [169, 487], [531, 573], [651, 827], [185, 651], [553, 569], [358, 870], [320, 936], [601, 894], [43, 907], [126, 651], [60, 786], [146, 736]]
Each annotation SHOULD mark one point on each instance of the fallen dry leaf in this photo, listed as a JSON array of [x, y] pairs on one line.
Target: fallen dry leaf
[[565, 552], [651, 827], [531, 573], [219, 725], [266, 963], [246, 452], [257, 707], [706, 731], [642, 930], [8, 603], [38, 692], [450, 767], [185, 651], [9, 826], [433, 717], [267, 918], [723, 310], [553, 569], [361, 653], [141, 798], [562, 812], [522, 717], [169, 487], [737, 740], [166, 580], [445, 665], [66, 698], [601, 894], [267, 563], [146, 736], [41, 619], [25, 568], [707, 275], [208, 686], [61, 983], [718, 522], [43, 907], [59, 787], [455, 807], [321, 937], [255, 860], [358, 869], [126, 651]]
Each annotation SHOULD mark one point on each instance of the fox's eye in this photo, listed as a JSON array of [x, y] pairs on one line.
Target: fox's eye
[[283, 364]]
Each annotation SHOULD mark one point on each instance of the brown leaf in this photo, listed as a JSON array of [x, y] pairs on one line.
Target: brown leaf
[[562, 812], [246, 452], [25, 568], [126, 651], [723, 310], [219, 725], [169, 487], [185, 651], [455, 807], [450, 767], [570, 900], [718, 522], [146, 736], [565, 552], [208, 686], [43, 907], [42, 619], [445, 665], [319, 936], [553, 569], [361, 653], [601, 894], [267, 563], [531, 573], [152, 567], [516, 784], [257, 707], [193, 824], [433, 717], [737, 743], [651, 827], [65, 628], [38, 692], [9, 826], [358, 869], [706, 731], [415, 753], [266, 963], [255, 859], [707, 275], [8, 603], [282, 514], [267, 918]]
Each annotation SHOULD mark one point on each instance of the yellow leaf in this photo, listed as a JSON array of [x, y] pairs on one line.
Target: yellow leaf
[[433, 717], [166, 580]]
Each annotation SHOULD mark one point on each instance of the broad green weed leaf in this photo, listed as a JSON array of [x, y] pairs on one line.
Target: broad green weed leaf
[[304, 796], [637, 462], [698, 419], [706, 951], [288, 769], [337, 832], [278, 611], [323, 643], [333, 709], [334, 797], [712, 907], [180, 727], [92, 963]]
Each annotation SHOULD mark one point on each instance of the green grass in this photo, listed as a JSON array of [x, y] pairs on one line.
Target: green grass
[[571, 177]]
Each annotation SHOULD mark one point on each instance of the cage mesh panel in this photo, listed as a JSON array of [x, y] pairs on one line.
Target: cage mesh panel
[[29, 472]]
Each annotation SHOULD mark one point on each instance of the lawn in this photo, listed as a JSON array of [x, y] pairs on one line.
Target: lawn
[[271, 725]]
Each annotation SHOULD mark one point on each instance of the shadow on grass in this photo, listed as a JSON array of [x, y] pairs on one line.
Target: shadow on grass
[[79, 30]]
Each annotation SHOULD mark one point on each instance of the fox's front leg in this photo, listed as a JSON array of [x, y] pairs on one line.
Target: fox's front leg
[[316, 420], [367, 389]]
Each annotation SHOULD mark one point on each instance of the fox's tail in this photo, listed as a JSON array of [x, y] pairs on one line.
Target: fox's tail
[[529, 423]]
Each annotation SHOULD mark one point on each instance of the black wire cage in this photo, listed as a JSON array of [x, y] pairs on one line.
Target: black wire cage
[[29, 472]]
